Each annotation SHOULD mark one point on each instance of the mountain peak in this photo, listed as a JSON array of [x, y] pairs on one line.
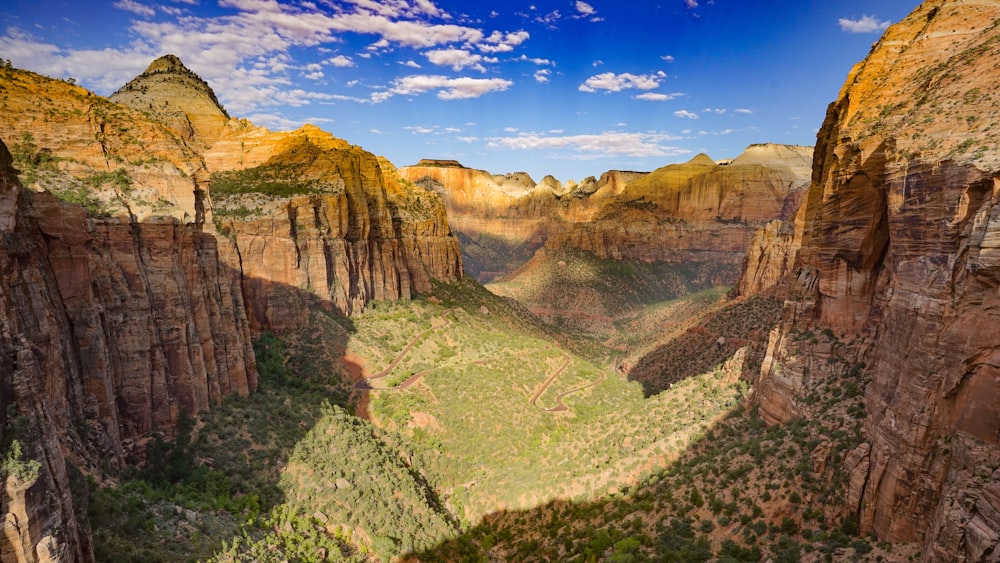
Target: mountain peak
[[166, 63], [702, 159], [176, 96]]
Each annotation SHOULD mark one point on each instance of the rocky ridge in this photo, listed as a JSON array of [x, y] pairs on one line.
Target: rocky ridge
[[895, 249]]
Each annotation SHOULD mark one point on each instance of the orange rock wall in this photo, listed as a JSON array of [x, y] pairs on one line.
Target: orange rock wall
[[898, 244]]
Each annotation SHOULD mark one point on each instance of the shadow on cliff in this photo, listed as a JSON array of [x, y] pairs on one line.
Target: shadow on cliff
[[302, 367], [707, 344]]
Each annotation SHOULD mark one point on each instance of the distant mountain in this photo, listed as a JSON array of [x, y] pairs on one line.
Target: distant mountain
[[690, 222], [176, 96], [502, 219]]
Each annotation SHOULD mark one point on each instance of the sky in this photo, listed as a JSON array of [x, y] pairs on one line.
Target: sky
[[570, 88]]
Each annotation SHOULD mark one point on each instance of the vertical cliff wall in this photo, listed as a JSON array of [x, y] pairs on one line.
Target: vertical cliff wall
[[898, 246], [108, 330], [307, 212]]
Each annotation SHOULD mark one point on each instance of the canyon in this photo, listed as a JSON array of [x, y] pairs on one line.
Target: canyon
[[150, 241]]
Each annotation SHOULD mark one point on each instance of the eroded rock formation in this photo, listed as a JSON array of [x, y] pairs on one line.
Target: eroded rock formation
[[122, 306], [350, 229], [897, 247], [504, 219]]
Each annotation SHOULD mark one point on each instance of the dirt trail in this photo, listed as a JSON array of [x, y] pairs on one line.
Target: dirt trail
[[364, 384], [560, 406]]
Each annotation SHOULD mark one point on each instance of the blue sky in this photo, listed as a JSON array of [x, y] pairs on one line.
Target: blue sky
[[564, 87]]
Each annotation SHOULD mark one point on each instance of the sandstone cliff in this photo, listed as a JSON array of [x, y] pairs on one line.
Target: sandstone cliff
[[121, 306], [897, 249], [696, 211], [503, 219], [306, 210], [109, 330]]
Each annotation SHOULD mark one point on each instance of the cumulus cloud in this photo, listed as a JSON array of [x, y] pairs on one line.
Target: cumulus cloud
[[340, 61], [542, 76], [612, 82], [686, 114], [135, 8], [668, 58], [447, 88], [498, 42], [691, 4], [615, 143], [246, 52], [864, 24], [585, 9], [458, 59], [411, 64]]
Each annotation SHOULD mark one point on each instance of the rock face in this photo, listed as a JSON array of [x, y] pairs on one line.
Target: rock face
[[697, 211], [352, 231], [109, 330], [897, 245], [122, 306], [503, 219]]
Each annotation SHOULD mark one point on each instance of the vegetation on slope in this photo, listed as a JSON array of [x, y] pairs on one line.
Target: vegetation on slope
[[465, 454]]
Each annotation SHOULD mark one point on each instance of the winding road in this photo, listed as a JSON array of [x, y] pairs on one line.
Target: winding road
[[366, 383]]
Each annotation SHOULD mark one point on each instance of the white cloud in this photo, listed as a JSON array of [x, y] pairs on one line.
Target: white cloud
[[686, 114], [657, 97], [744, 111], [411, 64], [612, 82], [245, 53], [717, 111], [135, 8], [542, 75], [864, 24], [499, 42], [668, 58], [585, 9], [417, 130], [458, 59], [691, 4], [615, 143], [447, 88], [539, 62], [340, 61]]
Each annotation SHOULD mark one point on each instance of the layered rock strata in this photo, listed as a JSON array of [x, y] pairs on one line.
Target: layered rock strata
[[697, 211], [504, 219], [352, 232], [110, 330], [897, 247], [121, 306]]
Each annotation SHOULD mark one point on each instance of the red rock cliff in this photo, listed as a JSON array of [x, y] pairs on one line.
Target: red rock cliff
[[899, 243], [109, 330], [352, 231]]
